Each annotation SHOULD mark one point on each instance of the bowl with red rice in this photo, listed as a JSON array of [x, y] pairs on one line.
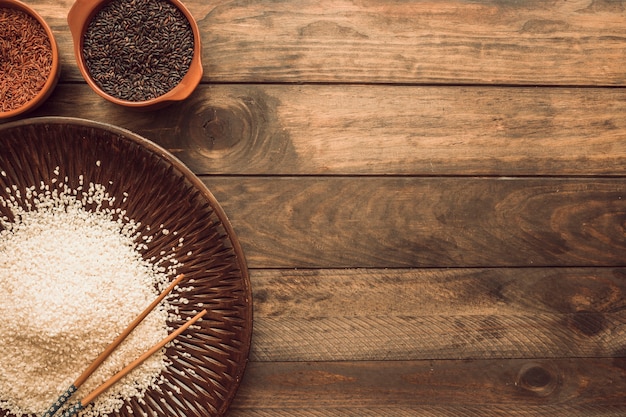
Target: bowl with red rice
[[29, 59]]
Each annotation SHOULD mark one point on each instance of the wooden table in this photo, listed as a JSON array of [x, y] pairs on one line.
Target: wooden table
[[431, 197]]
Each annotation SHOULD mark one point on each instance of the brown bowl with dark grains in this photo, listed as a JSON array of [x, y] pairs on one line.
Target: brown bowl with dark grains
[[141, 54]]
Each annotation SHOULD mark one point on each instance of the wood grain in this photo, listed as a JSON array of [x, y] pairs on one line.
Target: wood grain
[[433, 388], [416, 314], [532, 42], [330, 222], [431, 197], [378, 130], [362, 292]]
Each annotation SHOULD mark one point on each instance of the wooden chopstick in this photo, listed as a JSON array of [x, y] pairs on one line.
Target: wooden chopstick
[[115, 378], [105, 354]]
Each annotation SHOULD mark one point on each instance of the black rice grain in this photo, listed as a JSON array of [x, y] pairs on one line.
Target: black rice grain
[[138, 50]]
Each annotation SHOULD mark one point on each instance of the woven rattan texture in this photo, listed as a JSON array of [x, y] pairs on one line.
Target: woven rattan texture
[[155, 189]]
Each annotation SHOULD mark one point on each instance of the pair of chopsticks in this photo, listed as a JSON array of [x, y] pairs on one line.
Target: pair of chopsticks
[[105, 354]]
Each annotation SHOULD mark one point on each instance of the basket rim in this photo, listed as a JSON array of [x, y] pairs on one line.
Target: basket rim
[[200, 187]]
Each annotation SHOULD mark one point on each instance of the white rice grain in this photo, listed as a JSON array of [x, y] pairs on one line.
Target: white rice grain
[[73, 279]]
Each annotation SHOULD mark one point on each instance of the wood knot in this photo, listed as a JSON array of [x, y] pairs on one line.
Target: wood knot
[[537, 379], [236, 130], [589, 323], [223, 130]]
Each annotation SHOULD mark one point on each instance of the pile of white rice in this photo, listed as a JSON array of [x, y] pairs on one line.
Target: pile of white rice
[[72, 280]]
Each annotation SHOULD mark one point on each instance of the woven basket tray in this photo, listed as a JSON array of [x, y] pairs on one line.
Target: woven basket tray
[[161, 190]]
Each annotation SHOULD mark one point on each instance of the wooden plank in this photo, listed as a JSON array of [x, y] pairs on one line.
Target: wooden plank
[[531, 42], [360, 292], [475, 336], [326, 222], [417, 314], [378, 130], [566, 387]]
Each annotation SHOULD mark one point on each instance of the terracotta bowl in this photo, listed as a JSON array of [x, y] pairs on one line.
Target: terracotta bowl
[[55, 71], [79, 18], [153, 188]]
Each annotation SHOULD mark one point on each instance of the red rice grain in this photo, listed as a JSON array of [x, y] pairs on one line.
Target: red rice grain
[[25, 58]]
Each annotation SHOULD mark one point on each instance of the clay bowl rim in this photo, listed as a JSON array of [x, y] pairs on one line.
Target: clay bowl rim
[[79, 17], [55, 69]]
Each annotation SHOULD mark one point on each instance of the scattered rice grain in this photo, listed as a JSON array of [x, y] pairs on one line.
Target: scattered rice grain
[[74, 277]]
